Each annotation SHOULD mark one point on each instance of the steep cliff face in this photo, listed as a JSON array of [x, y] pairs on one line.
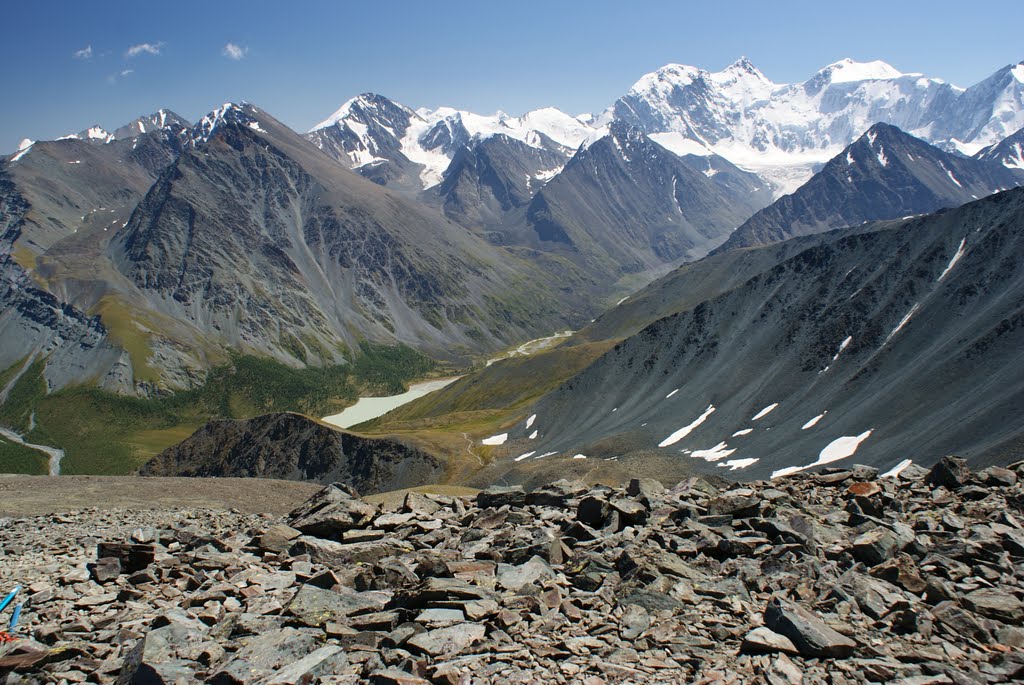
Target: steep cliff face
[[294, 447]]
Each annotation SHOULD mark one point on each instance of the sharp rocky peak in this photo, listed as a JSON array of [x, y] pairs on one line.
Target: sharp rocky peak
[[229, 113], [360, 108]]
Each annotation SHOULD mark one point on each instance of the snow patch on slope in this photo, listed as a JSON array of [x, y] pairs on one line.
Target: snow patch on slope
[[813, 422], [840, 448], [686, 430], [956, 258], [498, 439]]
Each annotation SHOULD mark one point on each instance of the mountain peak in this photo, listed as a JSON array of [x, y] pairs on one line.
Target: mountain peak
[[743, 63], [667, 77], [162, 119], [847, 70], [1018, 71], [883, 129], [742, 72], [360, 103], [742, 67], [229, 112]]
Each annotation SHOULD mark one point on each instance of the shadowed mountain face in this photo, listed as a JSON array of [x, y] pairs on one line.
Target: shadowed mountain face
[[885, 174], [293, 447], [490, 178], [625, 204], [902, 340]]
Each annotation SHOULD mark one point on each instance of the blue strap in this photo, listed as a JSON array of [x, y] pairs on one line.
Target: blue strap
[[9, 598], [14, 618]]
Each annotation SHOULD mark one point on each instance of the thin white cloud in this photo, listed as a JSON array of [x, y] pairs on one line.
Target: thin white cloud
[[84, 53], [148, 48], [127, 71], [233, 51]]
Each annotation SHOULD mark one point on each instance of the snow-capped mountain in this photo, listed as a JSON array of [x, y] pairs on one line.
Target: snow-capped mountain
[[162, 120], [884, 174], [982, 115], [494, 176], [370, 131], [782, 131]]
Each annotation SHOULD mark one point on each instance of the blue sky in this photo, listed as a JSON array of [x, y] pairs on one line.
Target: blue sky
[[68, 65]]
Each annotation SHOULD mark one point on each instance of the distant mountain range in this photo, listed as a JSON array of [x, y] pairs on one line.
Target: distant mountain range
[[781, 131], [138, 259]]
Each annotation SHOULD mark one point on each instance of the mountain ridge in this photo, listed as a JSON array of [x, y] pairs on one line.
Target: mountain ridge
[[884, 174]]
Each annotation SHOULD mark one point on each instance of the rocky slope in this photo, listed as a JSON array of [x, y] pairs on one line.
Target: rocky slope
[[60, 203], [238, 234], [293, 447], [34, 324], [840, 577], [885, 174], [882, 340], [263, 242], [81, 185]]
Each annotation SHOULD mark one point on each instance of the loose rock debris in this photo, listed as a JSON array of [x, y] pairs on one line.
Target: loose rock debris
[[835, 577]]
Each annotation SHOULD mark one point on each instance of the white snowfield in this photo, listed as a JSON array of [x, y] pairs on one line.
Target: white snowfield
[[903, 322], [842, 346], [498, 439], [719, 451], [734, 464], [840, 448]]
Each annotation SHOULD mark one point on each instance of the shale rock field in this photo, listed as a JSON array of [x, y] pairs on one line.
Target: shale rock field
[[834, 577]]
